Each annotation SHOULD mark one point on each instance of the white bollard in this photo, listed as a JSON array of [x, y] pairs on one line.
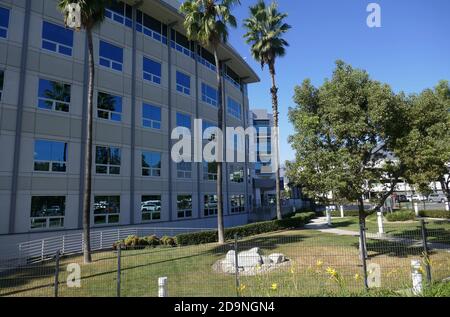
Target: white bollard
[[342, 211], [416, 209], [162, 287], [416, 276], [447, 206], [328, 211], [380, 223]]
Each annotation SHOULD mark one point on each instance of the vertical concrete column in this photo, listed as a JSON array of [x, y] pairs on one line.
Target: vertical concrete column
[[245, 119], [169, 102], [380, 223], [133, 120], [19, 117], [197, 115], [226, 200], [341, 208], [417, 278], [416, 208]]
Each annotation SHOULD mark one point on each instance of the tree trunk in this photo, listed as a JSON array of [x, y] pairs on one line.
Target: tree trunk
[[274, 92], [219, 149], [88, 154], [362, 223]]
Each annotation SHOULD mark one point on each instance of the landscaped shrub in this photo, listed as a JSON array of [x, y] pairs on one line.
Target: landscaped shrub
[[152, 241], [131, 241], [435, 214], [400, 216], [168, 241], [245, 231]]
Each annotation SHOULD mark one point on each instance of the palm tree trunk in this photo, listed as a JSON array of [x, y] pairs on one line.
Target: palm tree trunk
[[274, 92], [219, 149], [88, 154]]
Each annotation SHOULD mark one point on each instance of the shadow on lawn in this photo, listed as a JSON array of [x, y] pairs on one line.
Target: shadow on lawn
[[264, 243], [17, 278]]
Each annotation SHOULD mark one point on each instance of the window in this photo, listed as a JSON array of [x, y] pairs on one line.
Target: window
[[106, 210], [2, 79], [210, 171], [210, 205], [4, 22], [47, 212], [152, 71], [183, 120], [111, 56], [151, 164], [151, 208], [151, 27], [184, 206], [232, 77], [212, 130], [183, 83], [121, 13], [50, 156], [151, 116], [57, 39], [206, 59], [107, 160], [234, 108], [209, 95], [237, 175], [53, 96], [109, 107], [181, 43], [237, 203], [184, 170]]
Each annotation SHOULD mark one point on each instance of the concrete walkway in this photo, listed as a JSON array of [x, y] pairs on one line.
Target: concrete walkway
[[320, 224]]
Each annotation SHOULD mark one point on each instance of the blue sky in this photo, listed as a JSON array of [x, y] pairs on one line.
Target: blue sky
[[411, 51]]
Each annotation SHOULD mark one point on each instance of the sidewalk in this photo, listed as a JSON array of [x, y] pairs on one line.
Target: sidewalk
[[320, 224]]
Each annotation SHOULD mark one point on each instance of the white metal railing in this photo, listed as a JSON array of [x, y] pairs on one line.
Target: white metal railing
[[69, 244]]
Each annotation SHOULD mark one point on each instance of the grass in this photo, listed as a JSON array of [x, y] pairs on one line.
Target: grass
[[437, 231], [190, 274]]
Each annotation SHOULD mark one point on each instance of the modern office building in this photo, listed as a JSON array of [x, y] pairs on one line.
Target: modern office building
[[263, 172], [149, 80]]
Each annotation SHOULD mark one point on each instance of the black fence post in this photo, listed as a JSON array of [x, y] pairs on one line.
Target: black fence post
[[425, 250], [363, 254], [119, 255], [56, 283], [236, 265]]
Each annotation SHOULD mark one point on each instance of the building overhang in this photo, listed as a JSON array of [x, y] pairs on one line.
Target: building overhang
[[169, 14]]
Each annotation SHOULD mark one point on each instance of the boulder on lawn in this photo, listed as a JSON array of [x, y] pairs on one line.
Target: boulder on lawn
[[250, 258], [277, 258]]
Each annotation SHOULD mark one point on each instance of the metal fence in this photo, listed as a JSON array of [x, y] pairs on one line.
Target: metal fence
[[299, 262]]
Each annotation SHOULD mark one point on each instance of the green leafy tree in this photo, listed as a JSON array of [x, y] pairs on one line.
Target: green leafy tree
[[346, 136], [92, 14], [265, 31], [426, 148], [207, 22]]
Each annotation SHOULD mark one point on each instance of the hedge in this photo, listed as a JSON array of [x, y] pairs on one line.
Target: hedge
[[435, 214], [295, 221], [400, 216]]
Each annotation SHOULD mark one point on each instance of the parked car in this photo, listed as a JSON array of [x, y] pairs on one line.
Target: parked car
[[417, 197], [151, 206], [437, 198], [402, 199]]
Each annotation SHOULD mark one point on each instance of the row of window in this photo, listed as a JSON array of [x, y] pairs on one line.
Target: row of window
[[60, 40], [48, 212], [51, 156]]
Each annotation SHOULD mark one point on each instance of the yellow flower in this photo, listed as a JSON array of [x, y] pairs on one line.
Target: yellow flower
[[292, 270], [421, 270], [258, 266], [274, 286], [357, 276], [332, 272], [241, 288], [319, 263]]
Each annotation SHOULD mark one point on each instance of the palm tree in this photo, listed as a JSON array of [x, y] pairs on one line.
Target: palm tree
[[207, 21], [265, 30], [92, 13]]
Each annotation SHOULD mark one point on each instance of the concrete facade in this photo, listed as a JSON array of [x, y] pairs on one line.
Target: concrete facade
[[25, 62]]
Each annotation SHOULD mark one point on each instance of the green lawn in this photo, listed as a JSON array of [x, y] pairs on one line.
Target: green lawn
[[437, 231], [189, 270]]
